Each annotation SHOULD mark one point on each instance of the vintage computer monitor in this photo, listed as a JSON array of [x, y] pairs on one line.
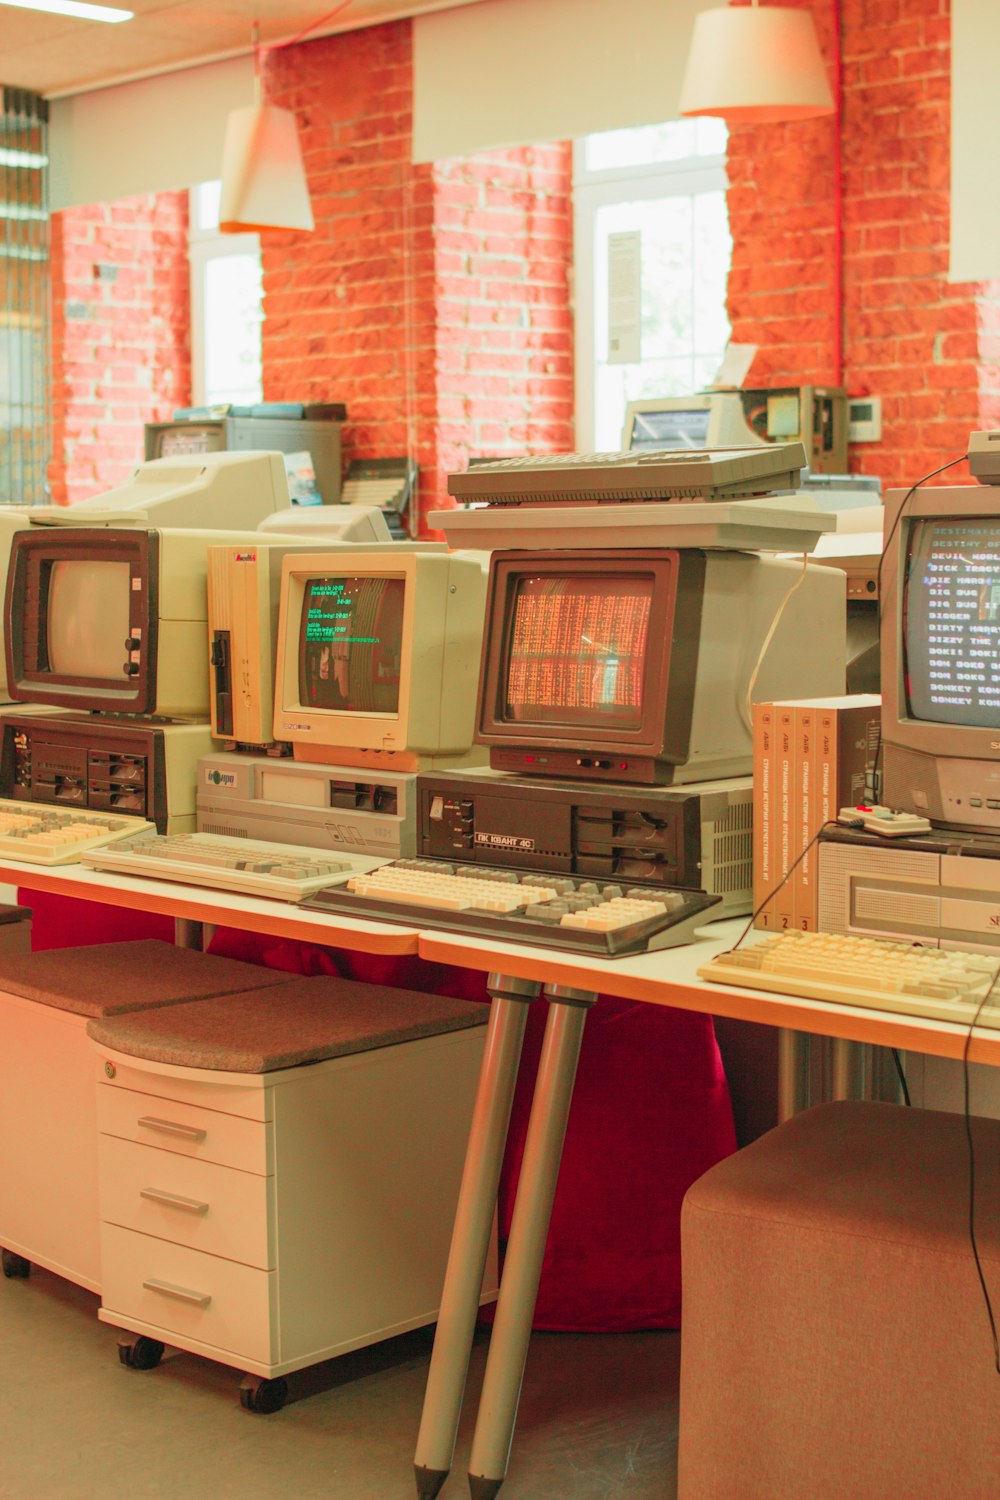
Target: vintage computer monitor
[[110, 619], [244, 591], [941, 655], [634, 665], [378, 656], [815, 416], [220, 491], [192, 435], [11, 522]]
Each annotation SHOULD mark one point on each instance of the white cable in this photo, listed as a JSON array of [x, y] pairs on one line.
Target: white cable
[[748, 700]]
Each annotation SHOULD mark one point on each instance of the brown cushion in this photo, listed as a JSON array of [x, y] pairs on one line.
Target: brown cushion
[[302, 1021], [835, 1341], [111, 978]]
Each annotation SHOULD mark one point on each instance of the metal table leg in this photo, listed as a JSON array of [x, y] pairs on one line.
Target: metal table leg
[[188, 934], [794, 1070], [525, 1248], [471, 1235]]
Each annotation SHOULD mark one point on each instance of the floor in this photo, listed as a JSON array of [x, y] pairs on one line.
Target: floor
[[598, 1417]]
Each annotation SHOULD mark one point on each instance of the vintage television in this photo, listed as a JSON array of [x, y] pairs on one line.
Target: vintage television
[[110, 619], [378, 657], [224, 491], [815, 416], [636, 665], [244, 590], [940, 638], [234, 433]]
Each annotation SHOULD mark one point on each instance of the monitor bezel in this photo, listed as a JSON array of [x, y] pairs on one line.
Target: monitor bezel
[[899, 727], [304, 723], [32, 554], [669, 676]]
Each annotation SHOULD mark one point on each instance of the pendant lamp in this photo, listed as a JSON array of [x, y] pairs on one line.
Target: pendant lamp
[[755, 64], [263, 179]]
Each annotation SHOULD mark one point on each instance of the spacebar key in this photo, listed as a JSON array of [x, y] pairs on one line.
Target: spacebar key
[[439, 900]]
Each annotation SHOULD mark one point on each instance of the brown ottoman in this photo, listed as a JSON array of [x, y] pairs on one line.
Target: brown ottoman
[[835, 1339], [48, 1110]]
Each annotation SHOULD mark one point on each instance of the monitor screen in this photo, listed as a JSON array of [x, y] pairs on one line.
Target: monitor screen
[[87, 619], [951, 621], [189, 438], [351, 643], [677, 427], [576, 652]]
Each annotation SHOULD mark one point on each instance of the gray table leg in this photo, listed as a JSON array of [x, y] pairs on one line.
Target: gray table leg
[[526, 1246], [794, 1072], [851, 1069], [188, 934], [471, 1235]]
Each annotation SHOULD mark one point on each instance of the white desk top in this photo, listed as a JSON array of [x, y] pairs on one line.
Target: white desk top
[[665, 978]]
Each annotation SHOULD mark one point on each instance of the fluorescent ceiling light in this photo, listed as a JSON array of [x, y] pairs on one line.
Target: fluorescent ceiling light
[[76, 8]]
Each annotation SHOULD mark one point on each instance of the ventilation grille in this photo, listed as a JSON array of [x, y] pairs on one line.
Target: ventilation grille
[[24, 297], [226, 830], [732, 850]]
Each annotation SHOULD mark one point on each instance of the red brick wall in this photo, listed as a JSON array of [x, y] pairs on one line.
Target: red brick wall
[[433, 301], [910, 336], [120, 335]]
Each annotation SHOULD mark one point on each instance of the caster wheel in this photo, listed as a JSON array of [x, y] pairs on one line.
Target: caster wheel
[[140, 1353], [15, 1265], [263, 1396]]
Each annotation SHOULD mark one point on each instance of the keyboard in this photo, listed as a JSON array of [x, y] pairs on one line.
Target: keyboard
[[40, 834], [522, 906], [685, 474], [942, 984], [287, 872]]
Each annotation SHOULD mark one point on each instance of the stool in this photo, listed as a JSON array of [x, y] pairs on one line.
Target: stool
[[835, 1339], [48, 1118], [279, 1171]]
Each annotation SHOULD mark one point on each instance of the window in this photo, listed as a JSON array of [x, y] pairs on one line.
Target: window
[[226, 307], [652, 257]]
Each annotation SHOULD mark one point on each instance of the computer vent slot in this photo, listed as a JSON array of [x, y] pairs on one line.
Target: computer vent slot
[[732, 851], [227, 830], [887, 907]]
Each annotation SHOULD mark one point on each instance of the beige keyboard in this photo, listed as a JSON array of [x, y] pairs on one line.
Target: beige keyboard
[[39, 834], [943, 984], [287, 872]]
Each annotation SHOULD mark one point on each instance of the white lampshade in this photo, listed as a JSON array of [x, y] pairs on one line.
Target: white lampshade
[[263, 179], [755, 63]]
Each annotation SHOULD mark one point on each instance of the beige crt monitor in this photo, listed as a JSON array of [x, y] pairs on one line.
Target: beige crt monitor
[[223, 491], [378, 658], [244, 589]]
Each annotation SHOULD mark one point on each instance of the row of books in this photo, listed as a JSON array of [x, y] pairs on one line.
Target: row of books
[[812, 756]]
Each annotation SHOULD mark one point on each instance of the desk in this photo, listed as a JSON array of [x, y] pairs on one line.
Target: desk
[[517, 975]]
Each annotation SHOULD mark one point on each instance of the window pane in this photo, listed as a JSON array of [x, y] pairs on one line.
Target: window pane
[[207, 197], [685, 258], [647, 144], [232, 329]]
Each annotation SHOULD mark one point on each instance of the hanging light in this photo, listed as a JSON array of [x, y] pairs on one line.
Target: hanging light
[[755, 64], [263, 179]]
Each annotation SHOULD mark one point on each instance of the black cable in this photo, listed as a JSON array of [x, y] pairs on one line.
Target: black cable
[[972, 1174], [902, 1077], [876, 789]]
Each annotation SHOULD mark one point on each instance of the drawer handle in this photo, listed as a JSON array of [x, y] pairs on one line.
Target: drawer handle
[[170, 1127], [181, 1293], [174, 1200]]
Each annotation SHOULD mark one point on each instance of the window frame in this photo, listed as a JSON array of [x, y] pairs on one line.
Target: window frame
[[597, 189]]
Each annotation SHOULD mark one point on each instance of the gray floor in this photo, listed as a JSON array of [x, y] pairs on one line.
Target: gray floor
[[598, 1417]]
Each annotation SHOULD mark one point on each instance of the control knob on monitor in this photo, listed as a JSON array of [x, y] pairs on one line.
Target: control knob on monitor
[[132, 669]]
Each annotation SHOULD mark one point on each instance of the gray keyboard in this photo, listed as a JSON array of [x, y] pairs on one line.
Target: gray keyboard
[[286, 872], [659, 474]]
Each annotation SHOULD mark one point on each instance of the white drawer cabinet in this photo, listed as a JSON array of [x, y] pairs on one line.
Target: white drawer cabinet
[[310, 1218]]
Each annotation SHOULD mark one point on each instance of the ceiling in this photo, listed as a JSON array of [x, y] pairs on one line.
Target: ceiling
[[53, 55]]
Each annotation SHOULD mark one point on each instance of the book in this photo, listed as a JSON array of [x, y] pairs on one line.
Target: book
[[823, 749], [763, 769]]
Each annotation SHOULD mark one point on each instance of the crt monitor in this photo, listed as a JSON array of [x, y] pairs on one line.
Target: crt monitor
[[111, 619], [636, 665], [224, 491], [941, 655], [377, 657], [11, 521]]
